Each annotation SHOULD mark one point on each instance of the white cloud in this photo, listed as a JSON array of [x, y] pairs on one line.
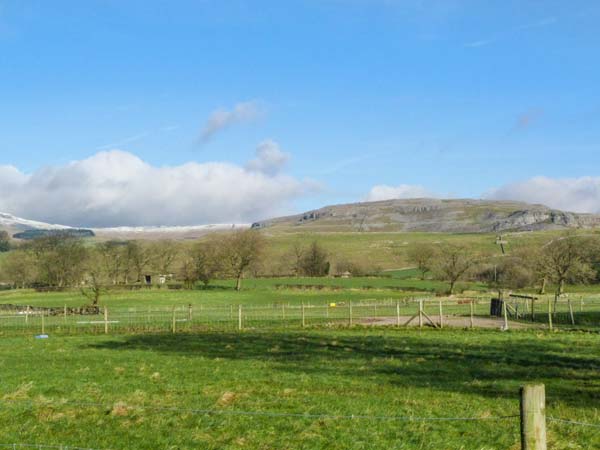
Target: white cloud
[[385, 192], [10, 178], [270, 159], [223, 118], [569, 194], [118, 188]]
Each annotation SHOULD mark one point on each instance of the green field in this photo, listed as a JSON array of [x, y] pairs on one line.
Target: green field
[[388, 250], [276, 385], [155, 391]]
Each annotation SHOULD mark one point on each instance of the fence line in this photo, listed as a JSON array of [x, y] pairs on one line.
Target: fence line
[[217, 412], [532, 417], [464, 312], [574, 422]]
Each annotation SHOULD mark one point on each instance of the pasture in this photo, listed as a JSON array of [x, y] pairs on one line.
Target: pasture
[[275, 384], [252, 390]]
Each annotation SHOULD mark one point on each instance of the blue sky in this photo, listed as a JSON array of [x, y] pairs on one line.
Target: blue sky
[[449, 98]]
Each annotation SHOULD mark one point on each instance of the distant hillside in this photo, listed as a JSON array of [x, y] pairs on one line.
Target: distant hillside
[[433, 215], [30, 229]]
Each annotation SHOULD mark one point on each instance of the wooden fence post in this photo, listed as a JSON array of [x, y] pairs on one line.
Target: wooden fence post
[[505, 314], [173, 321], [420, 313], [303, 316], [533, 310], [105, 320], [27, 312], [472, 313], [43, 324], [350, 311], [571, 312], [398, 313], [65, 313], [441, 315], [240, 317], [190, 312], [533, 417], [549, 314]]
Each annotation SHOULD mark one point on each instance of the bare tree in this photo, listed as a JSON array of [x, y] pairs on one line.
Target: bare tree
[[19, 268], [453, 262], [241, 250], [423, 256], [163, 254], [188, 272], [137, 258], [567, 260], [60, 259], [207, 260], [112, 257], [314, 262], [506, 273]]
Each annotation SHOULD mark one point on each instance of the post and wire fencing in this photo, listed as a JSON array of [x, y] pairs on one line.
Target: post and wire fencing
[[427, 312], [528, 425]]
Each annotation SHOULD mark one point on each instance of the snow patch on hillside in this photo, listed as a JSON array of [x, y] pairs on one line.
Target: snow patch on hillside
[[173, 229], [8, 220]]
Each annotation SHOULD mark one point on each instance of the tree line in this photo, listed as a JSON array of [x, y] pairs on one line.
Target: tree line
[[63, 261], [567, 259]]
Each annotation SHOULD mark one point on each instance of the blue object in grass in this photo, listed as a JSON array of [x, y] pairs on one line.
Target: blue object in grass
[[42, 336]]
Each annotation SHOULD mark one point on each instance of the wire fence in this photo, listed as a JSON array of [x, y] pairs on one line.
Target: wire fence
[[49, 404], [466, 312]]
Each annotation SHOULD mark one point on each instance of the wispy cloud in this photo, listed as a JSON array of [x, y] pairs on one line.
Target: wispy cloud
[[125, 141], [138, 137], [481, 43], [222, 118], [544, 22]]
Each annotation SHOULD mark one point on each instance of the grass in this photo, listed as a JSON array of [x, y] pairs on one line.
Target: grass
[[388, 250], [381, 372]]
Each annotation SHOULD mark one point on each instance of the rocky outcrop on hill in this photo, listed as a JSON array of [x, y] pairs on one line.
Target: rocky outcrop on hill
[[434, 215]]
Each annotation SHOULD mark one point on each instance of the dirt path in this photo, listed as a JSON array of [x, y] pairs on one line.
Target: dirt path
[[449, 321]]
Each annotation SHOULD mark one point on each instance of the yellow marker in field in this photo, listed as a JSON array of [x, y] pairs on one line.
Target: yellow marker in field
[[332, 305]]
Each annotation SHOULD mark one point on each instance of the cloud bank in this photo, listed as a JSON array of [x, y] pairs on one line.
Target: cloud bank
[[385, 192], [221, 119], [117, 188], [569, 194], [581, 195]]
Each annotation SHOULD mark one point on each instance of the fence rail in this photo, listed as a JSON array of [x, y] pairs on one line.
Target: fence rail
[[464, 312]]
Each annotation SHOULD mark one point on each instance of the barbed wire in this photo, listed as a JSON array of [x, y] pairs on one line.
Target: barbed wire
[[574, 422], [268, 413]]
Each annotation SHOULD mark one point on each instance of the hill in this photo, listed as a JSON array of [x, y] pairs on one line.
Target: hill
[[21, 228], [433, 215], [389, 216]]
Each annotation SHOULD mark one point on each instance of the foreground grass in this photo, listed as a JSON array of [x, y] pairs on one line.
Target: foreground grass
[[334, 372]]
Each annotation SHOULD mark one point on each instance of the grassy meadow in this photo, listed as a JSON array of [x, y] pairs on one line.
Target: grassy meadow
[[154, 391]]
